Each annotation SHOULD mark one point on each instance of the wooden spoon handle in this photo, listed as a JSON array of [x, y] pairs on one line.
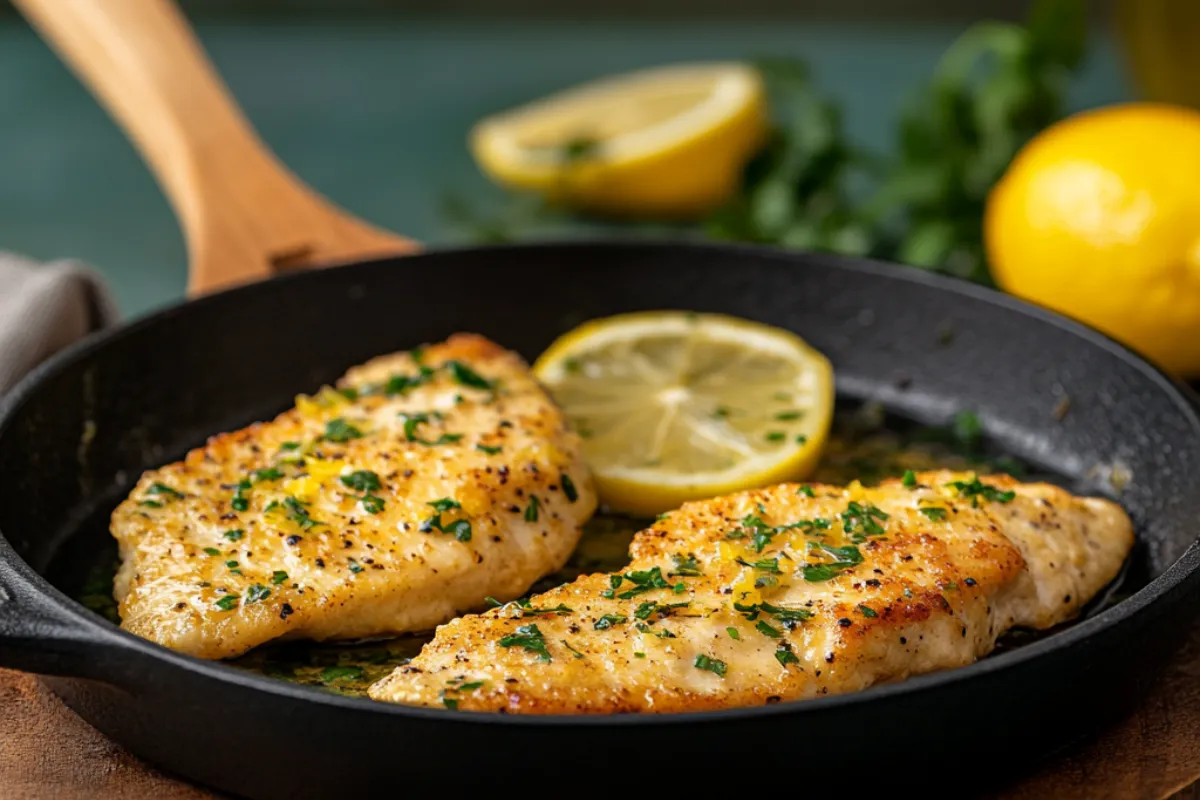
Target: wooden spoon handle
[[244, 215]]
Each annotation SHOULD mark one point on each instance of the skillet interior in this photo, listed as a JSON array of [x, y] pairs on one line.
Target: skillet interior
[[77, 436]]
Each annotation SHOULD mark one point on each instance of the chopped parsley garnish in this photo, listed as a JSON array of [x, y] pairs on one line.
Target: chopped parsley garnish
[[821, 572], [528, 610], [648, 609], [976, 489], [257, 593], [240, 502], [467, 376], [355, 567], [933, 512], [491, 451], [164, 490], [445, 438], [607, 621], [452, 703], [760, 532], [788, 416], [338, 430], [784, 655], [685, 567], [643, 581], [801, 439], [733, 633], [154, 504], [366, 481], [529, 638], [845, 557], [227, 602], [661, 633], [362, 480], [775, 436], [569, 490], [411, 421], [331, 674], [786, 614], [399, 384], [867, 612], [298, 514], [531, 510], [910, 479], [862, 521], [234, 535], [574, 653], [461, 529], [770, 565], [268, 474], [350, 393], [290, 446], [278, 577], [713, 665], [766, 629], [806, 490], [212, 551]]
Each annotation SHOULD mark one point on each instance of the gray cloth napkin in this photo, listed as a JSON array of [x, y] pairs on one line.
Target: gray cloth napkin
[[45, 307]]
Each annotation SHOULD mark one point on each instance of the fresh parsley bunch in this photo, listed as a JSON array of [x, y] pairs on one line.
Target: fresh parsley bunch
[[995, 88]]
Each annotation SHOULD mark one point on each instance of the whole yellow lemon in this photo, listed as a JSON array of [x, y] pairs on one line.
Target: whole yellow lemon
[[1098, 217]]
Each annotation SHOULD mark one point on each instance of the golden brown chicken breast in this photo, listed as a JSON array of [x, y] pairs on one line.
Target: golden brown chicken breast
[[784, 593], [425, 482]]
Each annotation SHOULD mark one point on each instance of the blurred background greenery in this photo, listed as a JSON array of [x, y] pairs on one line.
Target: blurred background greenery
[[371, 101]]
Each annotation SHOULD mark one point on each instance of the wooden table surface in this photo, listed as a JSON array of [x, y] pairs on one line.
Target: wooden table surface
[[48, 753]]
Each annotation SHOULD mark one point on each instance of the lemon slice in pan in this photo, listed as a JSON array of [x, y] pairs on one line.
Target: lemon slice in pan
[[675, 406]]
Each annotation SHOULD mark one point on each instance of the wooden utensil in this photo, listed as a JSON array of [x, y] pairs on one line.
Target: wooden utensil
[[245, 216]]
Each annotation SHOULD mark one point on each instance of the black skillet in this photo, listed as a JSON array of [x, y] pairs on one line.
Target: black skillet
[[76, 433]]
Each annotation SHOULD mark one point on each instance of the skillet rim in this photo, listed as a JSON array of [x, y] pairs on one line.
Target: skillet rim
[[94, 630]]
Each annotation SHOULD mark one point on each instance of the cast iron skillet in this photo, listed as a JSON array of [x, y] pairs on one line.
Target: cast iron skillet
[[77, 433]]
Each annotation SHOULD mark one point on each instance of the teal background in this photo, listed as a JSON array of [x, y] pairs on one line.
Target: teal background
[[374, 113]]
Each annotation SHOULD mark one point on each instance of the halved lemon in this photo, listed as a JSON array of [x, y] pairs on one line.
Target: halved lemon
[[675, 406], [670, 141]]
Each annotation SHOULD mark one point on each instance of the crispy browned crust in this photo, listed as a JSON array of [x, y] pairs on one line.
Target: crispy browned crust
[[928, 595], [357, 573]]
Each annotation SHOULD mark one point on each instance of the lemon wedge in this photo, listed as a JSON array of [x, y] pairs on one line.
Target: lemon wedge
[[675, 406], [668, 142]]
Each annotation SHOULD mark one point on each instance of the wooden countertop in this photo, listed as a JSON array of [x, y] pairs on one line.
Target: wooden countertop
[[48, 753]]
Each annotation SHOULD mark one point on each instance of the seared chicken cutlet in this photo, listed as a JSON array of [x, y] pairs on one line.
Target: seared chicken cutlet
[[424, 483], [783, 593]]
